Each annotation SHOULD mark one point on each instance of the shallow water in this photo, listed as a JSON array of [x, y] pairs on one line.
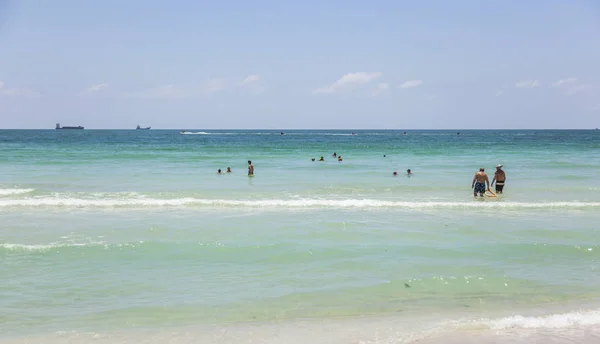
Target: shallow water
[[108, 232]]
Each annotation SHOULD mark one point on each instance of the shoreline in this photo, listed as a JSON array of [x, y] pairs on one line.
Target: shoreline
[[553, 323]]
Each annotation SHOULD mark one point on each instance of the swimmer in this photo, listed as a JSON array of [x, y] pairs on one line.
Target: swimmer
[[250, 168], [479, 183], [408, 172], [340, 158], [322, 159], [219, 171], [395, 173], [499, 178], [312, 159], [228, 169], [334, 154]]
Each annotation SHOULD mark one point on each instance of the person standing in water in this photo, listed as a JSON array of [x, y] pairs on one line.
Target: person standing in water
[[499, 178], [480, 180], [250, 169]]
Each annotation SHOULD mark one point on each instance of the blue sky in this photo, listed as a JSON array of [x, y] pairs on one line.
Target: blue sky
[[186, 64]]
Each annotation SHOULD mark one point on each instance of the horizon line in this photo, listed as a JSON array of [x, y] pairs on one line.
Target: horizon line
[[321, 129]]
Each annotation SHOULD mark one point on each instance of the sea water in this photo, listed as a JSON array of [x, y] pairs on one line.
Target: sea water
[[132, 236]]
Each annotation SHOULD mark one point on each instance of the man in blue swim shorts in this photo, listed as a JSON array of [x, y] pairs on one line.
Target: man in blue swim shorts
[[481, 182]]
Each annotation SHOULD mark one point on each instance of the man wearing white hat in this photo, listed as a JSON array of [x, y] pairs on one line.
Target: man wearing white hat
[[499, 178]]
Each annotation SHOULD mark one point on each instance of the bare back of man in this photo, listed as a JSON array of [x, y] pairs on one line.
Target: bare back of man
[[480, 183], [499, 179]]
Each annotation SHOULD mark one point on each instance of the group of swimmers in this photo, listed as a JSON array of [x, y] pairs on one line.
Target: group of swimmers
[[481, 182], [250, 169], [334, 155], [339, 158]]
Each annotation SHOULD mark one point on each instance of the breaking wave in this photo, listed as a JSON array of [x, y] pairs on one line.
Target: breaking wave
[[282, 203], [10, 192]]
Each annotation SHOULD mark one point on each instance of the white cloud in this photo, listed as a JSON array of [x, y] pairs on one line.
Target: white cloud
[[571, 85], [250, 79], [527, 84], [499, 93], [252, 82], [566, 81], [15, 92], [348, 81], [412, 84], [381, 88], [95, 89]]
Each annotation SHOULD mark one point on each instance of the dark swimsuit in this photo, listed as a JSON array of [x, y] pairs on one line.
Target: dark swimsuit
[[499, 186], [479, 188]]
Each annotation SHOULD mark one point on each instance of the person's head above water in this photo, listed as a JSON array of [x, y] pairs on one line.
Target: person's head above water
[[408, 171], [312, 159], [395, 173], [219, 171], [249, 162], [228, 169]]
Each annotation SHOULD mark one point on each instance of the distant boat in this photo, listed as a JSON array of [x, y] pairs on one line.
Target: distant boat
[[144, 128], [58, 127]]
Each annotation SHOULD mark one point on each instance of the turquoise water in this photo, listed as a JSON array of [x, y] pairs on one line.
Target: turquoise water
[[110, 231]]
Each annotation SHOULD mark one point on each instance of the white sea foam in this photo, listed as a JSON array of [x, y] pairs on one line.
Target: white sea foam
[[9, 192], [195, 133], [555, 321], [284, 203], [59, 245], [42, 247]]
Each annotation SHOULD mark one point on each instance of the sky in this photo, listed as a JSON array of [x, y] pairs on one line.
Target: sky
[[233, 64]]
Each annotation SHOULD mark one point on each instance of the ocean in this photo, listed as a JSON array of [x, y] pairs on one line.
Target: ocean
[[132, 236]]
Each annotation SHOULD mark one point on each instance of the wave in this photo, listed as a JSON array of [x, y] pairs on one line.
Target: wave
[[281, 203], [9, 192], [67, 245], [195, 133], [555, 321], [41, 247]]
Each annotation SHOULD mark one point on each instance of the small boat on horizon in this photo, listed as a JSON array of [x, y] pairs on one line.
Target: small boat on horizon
[[58, 127], [142, 128]]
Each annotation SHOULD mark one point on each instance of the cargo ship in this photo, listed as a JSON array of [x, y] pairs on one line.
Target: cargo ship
[[142, 128], [58, 127]]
